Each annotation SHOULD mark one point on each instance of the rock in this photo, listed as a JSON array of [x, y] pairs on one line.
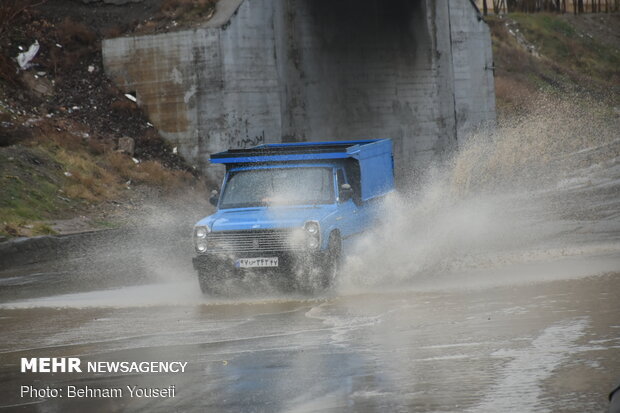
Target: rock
[[38, 85], [126, 145]]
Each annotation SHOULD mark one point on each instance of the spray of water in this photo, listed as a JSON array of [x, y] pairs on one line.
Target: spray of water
[[536, 190], [530, 190], [533, 189]]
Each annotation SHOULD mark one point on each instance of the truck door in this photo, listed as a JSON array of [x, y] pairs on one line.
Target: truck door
[[350, 221]]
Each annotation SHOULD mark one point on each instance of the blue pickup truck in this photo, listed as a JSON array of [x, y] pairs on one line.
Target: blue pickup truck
[[291, 211]]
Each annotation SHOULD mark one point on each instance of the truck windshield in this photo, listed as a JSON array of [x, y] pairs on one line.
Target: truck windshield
[[278, 186]]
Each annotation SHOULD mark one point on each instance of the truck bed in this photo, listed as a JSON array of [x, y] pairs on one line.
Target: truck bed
[[373, 157]]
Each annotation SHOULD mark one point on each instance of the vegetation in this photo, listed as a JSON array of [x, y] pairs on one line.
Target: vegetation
[[548, 53], [61, 175], [60, 123], [560, 6], [579, 53], [188, 9]]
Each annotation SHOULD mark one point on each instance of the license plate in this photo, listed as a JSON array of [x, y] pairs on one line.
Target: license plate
[[270, 262]]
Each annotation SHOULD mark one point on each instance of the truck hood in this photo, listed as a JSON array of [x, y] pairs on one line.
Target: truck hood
[[238, 219]]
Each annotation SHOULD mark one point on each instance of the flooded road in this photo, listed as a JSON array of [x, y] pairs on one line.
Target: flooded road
[[525, 347]]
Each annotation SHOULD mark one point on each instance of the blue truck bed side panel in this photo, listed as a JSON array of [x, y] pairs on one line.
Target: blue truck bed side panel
[[374, 157], [376, 168]]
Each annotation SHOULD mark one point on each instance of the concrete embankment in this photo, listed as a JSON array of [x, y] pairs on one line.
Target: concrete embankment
[[24, 251]]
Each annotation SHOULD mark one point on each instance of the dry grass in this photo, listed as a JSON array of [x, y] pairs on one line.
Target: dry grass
[[564, 60], [75, 141], [154, 173], [88, 180], [41, 228], [516, 71], [98, 146], [11, 228], [63, 139], [61, 173], [61, 166], [98, 172], [514, 96], [25, 229], [148, 172], [574, 50], [510, 56], [176, 9], [120, 164]]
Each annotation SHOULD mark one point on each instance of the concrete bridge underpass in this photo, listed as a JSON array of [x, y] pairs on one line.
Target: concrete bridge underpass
[[418, 72]]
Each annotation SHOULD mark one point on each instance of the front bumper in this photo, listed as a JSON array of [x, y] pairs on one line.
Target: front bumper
[[287, 262]]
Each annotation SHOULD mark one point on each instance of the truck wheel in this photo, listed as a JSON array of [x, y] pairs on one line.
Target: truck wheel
[[332, 262], [210, 284]]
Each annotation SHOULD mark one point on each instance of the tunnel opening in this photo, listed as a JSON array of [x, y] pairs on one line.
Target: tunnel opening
[[367, 24], [362, 69]]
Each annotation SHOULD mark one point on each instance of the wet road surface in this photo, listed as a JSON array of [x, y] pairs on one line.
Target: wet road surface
[[532, 346], [498, 304]]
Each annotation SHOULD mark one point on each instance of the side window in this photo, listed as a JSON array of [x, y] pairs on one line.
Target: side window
[[353, 174], [340, 180]]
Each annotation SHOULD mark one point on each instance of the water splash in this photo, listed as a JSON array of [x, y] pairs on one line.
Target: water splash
[[530, 190]]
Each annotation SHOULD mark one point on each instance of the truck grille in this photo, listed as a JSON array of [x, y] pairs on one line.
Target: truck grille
[[254, 241]]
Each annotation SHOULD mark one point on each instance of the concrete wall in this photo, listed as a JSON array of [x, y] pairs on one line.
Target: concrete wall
[[288, 70], [472, 60], [206, 89], [366, 69]]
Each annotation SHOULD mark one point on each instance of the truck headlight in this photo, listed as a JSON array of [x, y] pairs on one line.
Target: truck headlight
[[312, 227], [313, 243], [313, 234], [201, 232], [201, 246]]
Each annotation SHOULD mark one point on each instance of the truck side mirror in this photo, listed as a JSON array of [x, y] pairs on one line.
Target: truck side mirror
[[346, 192], [215, 198]]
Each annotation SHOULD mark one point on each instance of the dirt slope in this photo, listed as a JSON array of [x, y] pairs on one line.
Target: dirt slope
[[61, 121], [561, 55]]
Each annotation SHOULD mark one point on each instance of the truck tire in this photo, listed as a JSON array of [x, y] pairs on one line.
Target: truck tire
[[210, 284], [312, 279], [332, 261]]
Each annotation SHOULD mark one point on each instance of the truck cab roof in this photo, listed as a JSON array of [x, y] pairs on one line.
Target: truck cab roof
[[371, 158]]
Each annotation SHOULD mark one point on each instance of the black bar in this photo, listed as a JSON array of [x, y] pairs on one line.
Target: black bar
[[282, 150]]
